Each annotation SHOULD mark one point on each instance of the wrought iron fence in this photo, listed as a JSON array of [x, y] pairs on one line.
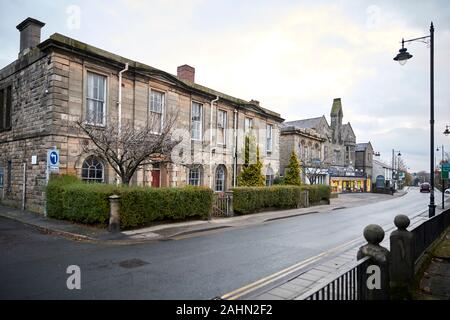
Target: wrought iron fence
[[428, 231], [348, 284]]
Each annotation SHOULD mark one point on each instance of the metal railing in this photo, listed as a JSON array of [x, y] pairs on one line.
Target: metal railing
[[350, 283], [428, 231], [346, 285]]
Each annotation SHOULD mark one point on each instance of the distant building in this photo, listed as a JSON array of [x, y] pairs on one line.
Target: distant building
[[338, 148], [382, 174], [364, 162]]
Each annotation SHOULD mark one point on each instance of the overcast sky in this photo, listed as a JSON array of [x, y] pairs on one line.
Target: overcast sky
[[292, 56]]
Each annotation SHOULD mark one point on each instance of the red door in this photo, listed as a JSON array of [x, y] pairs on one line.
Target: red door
[[156, 178]]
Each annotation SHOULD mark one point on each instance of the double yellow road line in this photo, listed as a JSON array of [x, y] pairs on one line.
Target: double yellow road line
[[236, 294]]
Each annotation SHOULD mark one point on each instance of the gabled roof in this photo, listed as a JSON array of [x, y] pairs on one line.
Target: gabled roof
[[311, 123], [363, 146], [75, 46], [348, 126]]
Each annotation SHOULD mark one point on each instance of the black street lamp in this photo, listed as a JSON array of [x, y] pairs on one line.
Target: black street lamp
[[402, 57]]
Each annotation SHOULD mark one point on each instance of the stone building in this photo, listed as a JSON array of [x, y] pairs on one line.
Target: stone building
[[53, 83], [338, 149], [308, 145], [364, 162]]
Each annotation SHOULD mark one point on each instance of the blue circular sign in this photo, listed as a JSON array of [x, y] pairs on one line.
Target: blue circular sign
[[54, 158]]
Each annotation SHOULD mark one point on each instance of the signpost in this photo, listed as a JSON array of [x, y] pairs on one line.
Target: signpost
[[52, 166], [445, 171]]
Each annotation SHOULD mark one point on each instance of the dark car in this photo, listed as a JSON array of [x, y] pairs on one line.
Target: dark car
[[425, 187]]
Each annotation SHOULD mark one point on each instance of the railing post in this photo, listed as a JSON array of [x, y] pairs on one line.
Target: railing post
[[374, 278], [229, 199], [402, 263], [114, 213]]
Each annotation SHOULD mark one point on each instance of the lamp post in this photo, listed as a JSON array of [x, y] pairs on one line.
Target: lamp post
[[442, 176], [394, 169], [402, 57]]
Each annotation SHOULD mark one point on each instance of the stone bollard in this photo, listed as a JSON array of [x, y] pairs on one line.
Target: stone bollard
[[375, 281], [114, 213], [402, 255]]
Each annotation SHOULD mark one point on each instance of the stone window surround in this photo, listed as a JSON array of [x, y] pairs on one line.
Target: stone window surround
[[202, 117], [94, 69], [224, 125], [269, 146], [4, 88], [164, 104], [224, 177]]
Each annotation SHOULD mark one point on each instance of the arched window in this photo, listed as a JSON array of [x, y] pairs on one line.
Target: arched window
[[269, 176], [195, 176], [93, 170], [220, 178]]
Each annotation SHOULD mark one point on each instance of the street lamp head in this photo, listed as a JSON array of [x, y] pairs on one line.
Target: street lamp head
[[403, 55], [399, 154], [446, 132]]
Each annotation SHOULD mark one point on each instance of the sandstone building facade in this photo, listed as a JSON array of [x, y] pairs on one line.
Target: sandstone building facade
[[56, 82], [334, 149]]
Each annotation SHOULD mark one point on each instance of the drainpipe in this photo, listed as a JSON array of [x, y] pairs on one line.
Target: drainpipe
[[211, 141], [235, 148], [119, 103]]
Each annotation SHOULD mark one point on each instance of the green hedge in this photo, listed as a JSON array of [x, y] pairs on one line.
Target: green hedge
[[70, 199], [254, 199], [140, 205], [317, 193]]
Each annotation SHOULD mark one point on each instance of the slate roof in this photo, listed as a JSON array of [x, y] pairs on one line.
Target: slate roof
[[311, 123], [362, 146], [62, 41]]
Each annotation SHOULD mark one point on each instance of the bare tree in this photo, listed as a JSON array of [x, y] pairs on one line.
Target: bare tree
[[313, 168], [128, 146]]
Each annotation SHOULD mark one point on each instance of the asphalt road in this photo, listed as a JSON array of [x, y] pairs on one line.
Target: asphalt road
[[33, 265]]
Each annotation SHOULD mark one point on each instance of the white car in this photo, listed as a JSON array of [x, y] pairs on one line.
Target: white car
[[447, 191]]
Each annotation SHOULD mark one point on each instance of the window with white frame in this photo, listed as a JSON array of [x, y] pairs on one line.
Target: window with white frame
[[194, 176], [157, 104], [221, 127], [269, 138], [269, 176], [196, 121], [96, 99], [220, 179], [92, 170], [248, 125]]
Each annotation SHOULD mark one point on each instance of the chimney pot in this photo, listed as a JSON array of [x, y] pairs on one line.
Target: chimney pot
[[30, 34], [186, 72]]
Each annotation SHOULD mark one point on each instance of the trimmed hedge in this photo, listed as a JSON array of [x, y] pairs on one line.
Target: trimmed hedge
[[140, 205], [70, 199], [317, 193], [254, 199]]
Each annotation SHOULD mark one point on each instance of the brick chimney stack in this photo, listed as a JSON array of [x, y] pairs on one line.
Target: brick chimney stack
[[30, 34], [186, 72]]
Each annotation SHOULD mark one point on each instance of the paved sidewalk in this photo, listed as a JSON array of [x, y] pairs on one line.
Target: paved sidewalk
[[435, 281], [170, 230]]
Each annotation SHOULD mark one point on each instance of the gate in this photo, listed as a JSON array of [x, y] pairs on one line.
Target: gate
[[222, 204]]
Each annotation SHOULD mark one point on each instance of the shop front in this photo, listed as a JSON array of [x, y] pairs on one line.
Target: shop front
[[347, 180]]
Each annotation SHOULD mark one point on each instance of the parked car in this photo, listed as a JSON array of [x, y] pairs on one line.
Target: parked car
[[447, 191], [425, 187]]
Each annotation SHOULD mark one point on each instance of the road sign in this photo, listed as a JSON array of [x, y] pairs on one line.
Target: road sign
[[445, 171], [53, 160]]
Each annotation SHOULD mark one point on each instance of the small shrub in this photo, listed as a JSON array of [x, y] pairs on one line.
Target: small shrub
[[318, 193]]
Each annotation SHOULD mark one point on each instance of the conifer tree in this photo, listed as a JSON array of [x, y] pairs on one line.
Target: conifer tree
[[292, 176]]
